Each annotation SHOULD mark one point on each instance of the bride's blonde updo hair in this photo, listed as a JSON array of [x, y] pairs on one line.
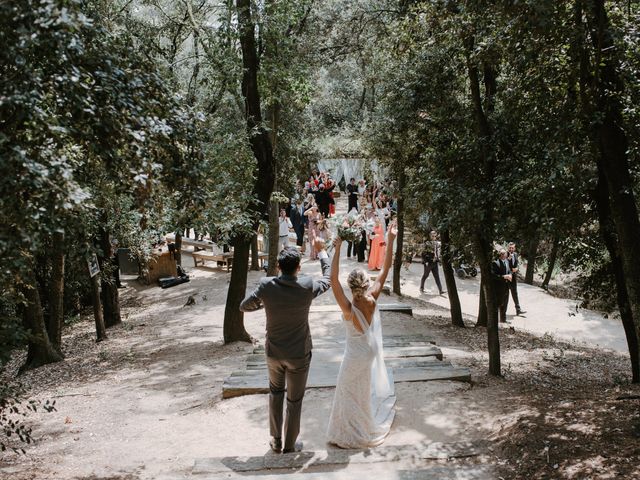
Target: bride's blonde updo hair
[[358, 282]]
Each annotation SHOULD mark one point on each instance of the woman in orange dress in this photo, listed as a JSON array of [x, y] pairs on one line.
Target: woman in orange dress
[[376, 255]]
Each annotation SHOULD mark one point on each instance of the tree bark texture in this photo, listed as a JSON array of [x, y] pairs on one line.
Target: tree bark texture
[[110, 295], [234, 330], [178, 244], [484, 232], [56, 292], [552, 261], [532, 256], [265, 176], [255, 258], [450, 279], [397, 262], [482, 304], [613, 158], [608, 233], [274, 238], [40, 349], [101, 331]]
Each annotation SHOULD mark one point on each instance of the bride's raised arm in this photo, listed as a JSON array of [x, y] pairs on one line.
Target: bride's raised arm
[[376, 288], [336, 287]]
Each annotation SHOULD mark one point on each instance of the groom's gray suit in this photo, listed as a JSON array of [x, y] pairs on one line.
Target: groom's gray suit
[[286, 300]]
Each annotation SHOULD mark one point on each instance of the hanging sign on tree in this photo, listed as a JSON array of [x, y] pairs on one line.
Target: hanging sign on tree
[[94, 267]]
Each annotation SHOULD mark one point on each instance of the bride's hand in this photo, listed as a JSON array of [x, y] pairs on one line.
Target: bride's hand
[[337, 242], [393, 230]]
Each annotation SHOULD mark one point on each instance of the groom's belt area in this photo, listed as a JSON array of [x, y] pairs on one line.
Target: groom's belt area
[[294, 346]]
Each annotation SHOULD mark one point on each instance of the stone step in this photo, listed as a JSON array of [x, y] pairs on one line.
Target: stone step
[[234, 386], [378, 457], [388, 341]]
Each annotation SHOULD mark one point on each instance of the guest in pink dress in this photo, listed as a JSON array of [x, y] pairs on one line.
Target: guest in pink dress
[[314, 217], [376, 255]]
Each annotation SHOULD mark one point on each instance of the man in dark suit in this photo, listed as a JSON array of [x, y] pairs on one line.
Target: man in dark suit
[[298, 220], [501, 277], [514, 261], [323, 199], [287, 299], [352, 191]]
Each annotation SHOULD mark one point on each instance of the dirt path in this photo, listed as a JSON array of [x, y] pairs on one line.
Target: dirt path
[[545, 314], [147, 403]]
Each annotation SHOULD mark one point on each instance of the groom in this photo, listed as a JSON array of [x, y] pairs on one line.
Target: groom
[[287, 299]]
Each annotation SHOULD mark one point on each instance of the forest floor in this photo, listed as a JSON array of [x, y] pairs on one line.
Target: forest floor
[[147, 403]]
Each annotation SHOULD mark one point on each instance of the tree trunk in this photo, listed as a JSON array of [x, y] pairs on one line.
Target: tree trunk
[[178, 244], [482, 304], [613, 160], [531, 259], [40, 349], [485, 231], [397, 262], [101, 332], [234, 324], [274, 238], [265, 176], [607, 230], [255, 258], [56, 292], [552, 261], [483, 253], [450, 279], [110, 295]]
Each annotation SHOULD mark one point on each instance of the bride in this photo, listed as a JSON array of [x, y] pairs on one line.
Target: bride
[[362, 411]]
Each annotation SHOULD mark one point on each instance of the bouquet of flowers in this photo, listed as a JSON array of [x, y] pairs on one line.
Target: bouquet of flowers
[[349, 227]]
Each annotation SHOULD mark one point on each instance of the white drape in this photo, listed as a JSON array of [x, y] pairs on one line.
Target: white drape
[[340, 168]]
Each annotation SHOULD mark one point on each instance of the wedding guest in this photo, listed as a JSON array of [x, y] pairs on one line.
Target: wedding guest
[[284, 224], [352, 195], [313, 216], [514, 262], [501, 277], [298, 220], [376, 255], [430, 259]]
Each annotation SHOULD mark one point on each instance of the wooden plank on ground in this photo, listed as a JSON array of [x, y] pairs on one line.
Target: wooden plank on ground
[[234, 386], [388, 341], [384, 307], [389, 352], [474, 472], [324, 458], [425, 362]]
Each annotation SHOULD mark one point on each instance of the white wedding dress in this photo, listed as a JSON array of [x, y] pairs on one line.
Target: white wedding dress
[[363, 405]]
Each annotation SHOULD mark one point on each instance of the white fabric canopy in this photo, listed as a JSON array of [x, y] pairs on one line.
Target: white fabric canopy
[[340, 168]]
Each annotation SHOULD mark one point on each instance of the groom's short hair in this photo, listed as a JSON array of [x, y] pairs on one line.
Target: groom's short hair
[[289, 260]]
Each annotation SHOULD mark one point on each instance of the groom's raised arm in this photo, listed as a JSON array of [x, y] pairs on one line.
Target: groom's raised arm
[[323, 284], [252, 302]]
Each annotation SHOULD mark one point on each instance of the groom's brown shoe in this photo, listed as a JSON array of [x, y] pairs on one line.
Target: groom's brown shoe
[[276, 444], [297, 448]]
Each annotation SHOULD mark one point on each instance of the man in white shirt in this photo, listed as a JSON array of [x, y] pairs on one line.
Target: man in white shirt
[[285, 225]]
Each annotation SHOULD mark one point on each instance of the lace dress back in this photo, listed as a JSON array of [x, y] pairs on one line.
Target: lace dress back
[[363, 405]]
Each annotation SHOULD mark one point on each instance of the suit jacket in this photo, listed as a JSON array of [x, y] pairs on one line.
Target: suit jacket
[[513, 261], [287, 299], [498, 269], [297, 219]]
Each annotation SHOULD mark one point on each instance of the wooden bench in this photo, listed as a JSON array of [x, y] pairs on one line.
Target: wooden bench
[[201, 257], [197, 245]]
